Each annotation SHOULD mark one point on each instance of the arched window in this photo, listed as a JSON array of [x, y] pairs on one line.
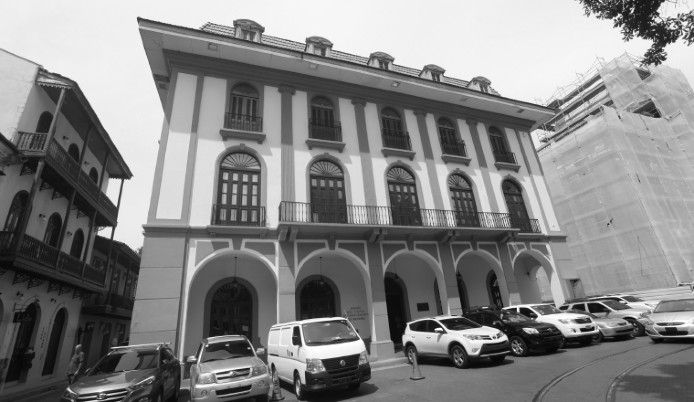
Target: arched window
[[462, 292], [231, 310], [516, 206], [499, 146], [19, 202], [52, 235], [317, 300], [403, 197], [450, 144], [494, 291], [243, 113], [74, 151], [44, 123], [463, 200], [77, 244], [327, 193], [322, 121], [393, 134], [54, 342], [238, 194], [94, 175]]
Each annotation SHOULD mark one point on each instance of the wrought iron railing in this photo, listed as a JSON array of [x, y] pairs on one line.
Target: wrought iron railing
[[38, 251], [400, 216], [232, 215], [505, 157], [323, 131], [454, 148], [243, 122], [396, 139]]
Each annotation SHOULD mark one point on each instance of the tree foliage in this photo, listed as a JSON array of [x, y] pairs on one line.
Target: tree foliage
[[643, 19]]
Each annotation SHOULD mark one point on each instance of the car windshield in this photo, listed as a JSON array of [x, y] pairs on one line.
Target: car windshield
[[458, 323], [630, 299], [667, 306], [226, 350], [512, 316], [320, 333], [544, 309], [615, 305], [125, 360]]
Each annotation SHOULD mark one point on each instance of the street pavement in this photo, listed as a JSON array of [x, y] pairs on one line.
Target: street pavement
[[634, 370]]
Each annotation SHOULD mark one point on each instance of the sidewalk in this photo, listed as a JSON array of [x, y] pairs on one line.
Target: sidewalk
[[35, 394]]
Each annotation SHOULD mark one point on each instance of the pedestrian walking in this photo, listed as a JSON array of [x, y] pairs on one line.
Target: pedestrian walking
[[76, 365]]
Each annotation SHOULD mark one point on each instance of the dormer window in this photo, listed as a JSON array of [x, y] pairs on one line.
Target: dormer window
[[248, 30], [481, 84], [432, 72], [319, 46], [381, 60]]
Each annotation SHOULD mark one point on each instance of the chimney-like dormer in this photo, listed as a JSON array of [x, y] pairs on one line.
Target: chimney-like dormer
[[248, 30], [318, 45], [481, 84], [432, 72], [381, 60]]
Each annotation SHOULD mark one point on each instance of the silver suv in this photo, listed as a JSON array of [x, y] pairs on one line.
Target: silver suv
[[637, 317], [147, 372], [227, 368]]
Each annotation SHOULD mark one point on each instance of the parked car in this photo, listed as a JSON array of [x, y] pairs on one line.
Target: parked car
[[227, 368], [672, 319], [617, 328], [612, 309], [523, 333], [629, 300], [318, 354], [456, 337], [147, 372], [575, 327]]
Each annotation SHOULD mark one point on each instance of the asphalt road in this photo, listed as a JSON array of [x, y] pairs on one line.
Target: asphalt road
[[614, 371]]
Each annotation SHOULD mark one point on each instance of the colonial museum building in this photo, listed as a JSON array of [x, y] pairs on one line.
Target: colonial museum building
[[296, 181]]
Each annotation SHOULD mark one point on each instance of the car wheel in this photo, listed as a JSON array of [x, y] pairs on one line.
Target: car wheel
[[459, 357], [657, 340], [586, 341], [639, 329], [299, 388], [599, 337], [497, 359], [518, 346], [411, 353]]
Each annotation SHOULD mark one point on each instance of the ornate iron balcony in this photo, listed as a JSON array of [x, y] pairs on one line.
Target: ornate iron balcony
[[243, 122], [505, 157], [232, 215], [323, 131]]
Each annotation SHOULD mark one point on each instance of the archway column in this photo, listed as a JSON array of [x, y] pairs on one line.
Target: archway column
[[381, 347], [449, 270], [514, 296], [286, 287]]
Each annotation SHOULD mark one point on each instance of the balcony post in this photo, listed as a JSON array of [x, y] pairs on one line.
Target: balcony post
[[24, 221], [101, 176], [61, 237], [92, 220], [84, 151]]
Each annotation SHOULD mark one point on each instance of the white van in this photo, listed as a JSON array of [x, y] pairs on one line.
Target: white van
[[317, 354]]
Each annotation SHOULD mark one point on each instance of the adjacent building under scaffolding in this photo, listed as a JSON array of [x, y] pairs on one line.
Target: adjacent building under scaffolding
[[618, 161]]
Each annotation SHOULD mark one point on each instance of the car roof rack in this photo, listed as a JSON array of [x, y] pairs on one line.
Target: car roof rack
[[142, 345]]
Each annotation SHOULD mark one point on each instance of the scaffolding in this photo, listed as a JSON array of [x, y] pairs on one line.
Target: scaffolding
[[618, 161]]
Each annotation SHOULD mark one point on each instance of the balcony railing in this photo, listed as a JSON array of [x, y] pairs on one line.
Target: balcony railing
[[322, 131], [505, 157], [400, 216], [395, 139], [243, 122], [232, 215], [456, 148], [31, 141], [63, 161], [49, 257]]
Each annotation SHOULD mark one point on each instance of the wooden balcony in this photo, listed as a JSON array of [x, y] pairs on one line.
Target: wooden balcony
[[47, 260], [229, 215]]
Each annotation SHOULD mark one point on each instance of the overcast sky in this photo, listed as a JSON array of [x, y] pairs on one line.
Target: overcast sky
[[528, 49]]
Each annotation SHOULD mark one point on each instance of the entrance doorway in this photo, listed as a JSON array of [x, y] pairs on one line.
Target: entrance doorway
[[22, 342], [54, 342], [495, 291], [395, 305], [231, 311], [316, 300]]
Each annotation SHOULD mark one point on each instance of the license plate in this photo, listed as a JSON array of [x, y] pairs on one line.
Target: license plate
[[588, 327], [670, 330]]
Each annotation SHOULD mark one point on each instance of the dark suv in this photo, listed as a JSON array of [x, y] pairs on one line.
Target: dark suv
[[130, 374], [523, 333]]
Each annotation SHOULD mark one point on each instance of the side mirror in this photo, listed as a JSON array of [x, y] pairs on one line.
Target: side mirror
[[532, 315], [497, 324], [191, 359], [296, 340], [260, 351], [439, 330]]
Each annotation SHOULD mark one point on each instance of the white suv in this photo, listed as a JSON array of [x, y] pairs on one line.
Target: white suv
[[575, 327], [456, 337]]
